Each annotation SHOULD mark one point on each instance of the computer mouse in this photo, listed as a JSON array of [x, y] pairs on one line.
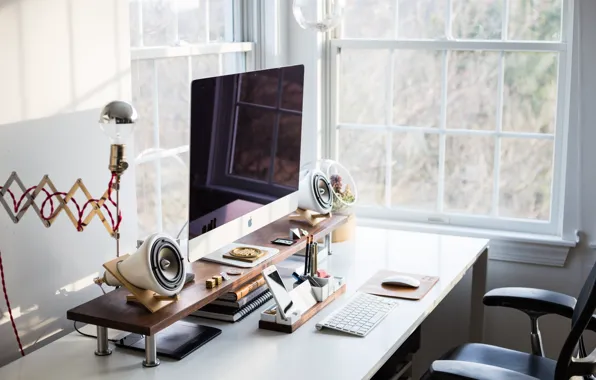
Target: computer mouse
[[401, 280]]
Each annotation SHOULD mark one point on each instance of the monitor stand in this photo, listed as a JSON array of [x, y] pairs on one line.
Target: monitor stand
[[176, 341]]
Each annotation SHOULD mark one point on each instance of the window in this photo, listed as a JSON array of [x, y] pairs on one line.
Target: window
[[172, 43], [453, 111]]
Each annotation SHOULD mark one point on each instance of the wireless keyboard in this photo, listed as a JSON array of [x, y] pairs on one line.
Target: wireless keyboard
[[362, 313]]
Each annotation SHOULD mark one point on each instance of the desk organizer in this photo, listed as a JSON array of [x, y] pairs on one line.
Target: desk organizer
[[333, 288]]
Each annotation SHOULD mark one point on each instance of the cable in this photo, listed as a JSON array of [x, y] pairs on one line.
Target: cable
[[80, 210], [182, 229], [14, 326], [89, 335]]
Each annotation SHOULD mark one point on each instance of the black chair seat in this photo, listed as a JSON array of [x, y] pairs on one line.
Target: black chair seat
[[527, 364]]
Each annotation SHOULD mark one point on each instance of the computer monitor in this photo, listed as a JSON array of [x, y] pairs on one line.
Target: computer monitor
[[245, 140]]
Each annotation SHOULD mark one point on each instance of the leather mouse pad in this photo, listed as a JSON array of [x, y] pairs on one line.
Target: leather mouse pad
[[374, 285]]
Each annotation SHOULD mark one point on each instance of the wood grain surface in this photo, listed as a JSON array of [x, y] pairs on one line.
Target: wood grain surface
[[111, 310]]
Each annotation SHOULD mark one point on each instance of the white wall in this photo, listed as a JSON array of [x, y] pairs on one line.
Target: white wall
[[61, 61]]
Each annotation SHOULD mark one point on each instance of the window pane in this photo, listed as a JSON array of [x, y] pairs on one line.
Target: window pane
[[369, 19], [287, 156], [174, 190], [260, 87], [363, 153], [469, 174], [192, 21], [159, 23], [142, 97], [173, 99], [472, 90], [530, 92], [415, 169], [219, 16], [254, 129], [362, 90], [417, 88], [135, 22], [423, 19], [525, 178], [478, 19], [146, 175], [205, 66], [535, 20]]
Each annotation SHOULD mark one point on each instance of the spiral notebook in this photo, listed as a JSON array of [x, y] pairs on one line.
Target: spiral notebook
[[232, 314]]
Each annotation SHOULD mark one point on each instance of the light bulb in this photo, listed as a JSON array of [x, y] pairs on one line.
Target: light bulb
[[319, 15], [117, 120]]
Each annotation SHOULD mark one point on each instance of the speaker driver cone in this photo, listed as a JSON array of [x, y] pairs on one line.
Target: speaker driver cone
[[167, 264], [322, 191]]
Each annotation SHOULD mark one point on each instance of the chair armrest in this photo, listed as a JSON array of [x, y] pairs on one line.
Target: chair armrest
[[459, 370], [532, 301]]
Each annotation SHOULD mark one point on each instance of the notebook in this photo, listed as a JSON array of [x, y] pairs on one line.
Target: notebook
[[228, 314], [242, 301]]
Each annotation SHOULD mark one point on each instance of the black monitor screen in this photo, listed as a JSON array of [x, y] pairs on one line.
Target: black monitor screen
[[245, 140]]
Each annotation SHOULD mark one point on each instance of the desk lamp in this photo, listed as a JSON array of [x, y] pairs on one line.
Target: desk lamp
[[117, 120]]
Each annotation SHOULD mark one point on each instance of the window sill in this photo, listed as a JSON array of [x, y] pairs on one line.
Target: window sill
[[504, 245]]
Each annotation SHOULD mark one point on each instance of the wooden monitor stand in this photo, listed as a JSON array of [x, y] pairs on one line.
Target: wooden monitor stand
[[113, 311]]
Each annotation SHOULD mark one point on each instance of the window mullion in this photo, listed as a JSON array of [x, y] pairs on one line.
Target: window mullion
[[207, 20], [449, 20], [442, 136], [505, 21], [156, 145], [140, 22], [389, 121], [499, 129], [396, 15]]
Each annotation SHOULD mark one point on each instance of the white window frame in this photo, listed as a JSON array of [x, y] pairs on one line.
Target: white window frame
[[242, 30], [554, 227]]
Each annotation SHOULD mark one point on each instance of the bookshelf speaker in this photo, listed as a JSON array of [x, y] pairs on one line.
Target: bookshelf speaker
[[157, 265]]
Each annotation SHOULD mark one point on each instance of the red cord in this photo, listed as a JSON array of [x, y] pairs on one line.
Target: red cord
[[14, 326], [80, 210], [80, 214]]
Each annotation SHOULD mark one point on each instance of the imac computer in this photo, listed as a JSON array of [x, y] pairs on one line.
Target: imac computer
[[245, 138]]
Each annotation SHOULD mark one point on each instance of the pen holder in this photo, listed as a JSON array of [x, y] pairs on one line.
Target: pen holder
[[321, 292]]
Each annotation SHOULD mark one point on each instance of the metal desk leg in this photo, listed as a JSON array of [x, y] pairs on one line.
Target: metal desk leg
[[478, 291], [103, 348], [151, 359]]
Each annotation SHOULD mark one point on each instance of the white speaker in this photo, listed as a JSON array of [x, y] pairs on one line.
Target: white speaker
[[157, 265], [315, 193]]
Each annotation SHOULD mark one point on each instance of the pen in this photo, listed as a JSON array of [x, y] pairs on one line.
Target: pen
[[316, 260], [306, 257]]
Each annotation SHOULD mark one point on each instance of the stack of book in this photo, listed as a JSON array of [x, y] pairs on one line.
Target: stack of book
[[234, 306]]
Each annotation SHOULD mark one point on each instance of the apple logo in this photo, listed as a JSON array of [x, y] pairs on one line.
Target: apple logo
[[250, 222]]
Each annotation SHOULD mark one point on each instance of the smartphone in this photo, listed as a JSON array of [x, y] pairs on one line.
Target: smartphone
[[280, 294]]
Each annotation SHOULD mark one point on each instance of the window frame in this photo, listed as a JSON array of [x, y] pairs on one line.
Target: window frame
[[453, 219], [240, 32]]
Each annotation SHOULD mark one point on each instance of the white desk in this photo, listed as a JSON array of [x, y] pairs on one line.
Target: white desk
[[286, 356]]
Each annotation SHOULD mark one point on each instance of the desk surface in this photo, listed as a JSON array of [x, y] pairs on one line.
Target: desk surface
[[277, 355]]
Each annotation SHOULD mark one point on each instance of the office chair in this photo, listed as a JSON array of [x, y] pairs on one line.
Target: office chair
[[482, 361]]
